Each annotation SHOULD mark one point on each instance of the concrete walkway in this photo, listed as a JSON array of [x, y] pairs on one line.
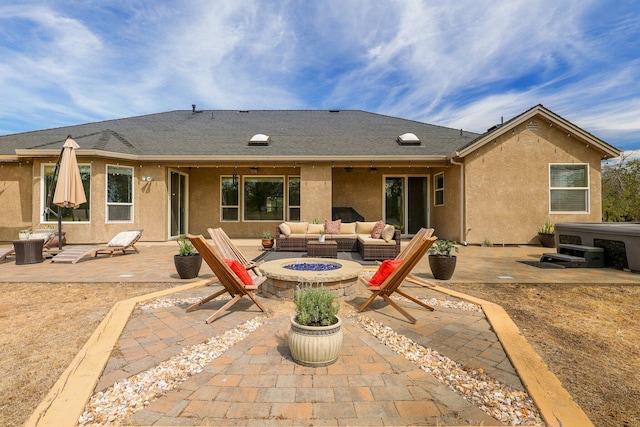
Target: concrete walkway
[[255, 382]]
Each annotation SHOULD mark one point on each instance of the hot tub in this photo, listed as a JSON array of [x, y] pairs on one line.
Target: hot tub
[[620, 240]]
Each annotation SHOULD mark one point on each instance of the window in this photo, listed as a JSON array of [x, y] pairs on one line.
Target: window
[[82, 213], [119, 193], [438, 193], [229, 198], [569, 188], [294, 198], [263, 198]]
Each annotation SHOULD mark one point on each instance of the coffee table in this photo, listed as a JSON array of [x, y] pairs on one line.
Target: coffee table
[[326, 249]]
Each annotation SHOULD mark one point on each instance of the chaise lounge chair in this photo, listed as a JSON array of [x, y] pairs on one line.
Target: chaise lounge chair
[[122, 242], [391, 283], [230, 280], [6, 251], [228, 250]]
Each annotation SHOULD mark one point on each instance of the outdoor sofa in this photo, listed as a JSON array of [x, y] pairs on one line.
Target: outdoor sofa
[[373, 240]]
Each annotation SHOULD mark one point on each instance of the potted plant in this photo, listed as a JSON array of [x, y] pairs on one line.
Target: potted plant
[[24, 234], [442, 263], [267, 241], [321, 236], [547, 235], [315, 337], [188, 261]]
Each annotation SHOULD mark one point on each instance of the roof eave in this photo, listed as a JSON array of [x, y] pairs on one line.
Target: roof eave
[[231, 158]]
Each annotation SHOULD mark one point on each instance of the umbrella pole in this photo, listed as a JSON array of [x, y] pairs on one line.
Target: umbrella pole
[[59, 229]]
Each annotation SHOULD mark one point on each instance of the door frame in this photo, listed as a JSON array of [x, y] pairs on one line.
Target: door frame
[[405, 189], [169, 201]]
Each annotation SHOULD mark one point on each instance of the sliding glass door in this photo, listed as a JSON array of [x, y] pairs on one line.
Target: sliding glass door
[[406, 202]]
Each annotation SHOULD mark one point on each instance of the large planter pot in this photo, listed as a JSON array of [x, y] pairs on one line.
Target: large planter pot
[[547, 240], [442, 266], [315, 345], [267, 243], [188, 266]]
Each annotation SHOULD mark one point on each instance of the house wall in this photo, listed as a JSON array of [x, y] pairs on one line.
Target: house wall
[[204, 199], [315, 192], [359, 189], [16, 193], [507, 183], [23, 184], [445, 219]]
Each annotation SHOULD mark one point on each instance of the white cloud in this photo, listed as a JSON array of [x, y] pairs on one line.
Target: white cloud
[[455, 63]]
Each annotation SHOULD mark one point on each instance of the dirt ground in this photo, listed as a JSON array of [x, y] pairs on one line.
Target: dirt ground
[[589, 336]]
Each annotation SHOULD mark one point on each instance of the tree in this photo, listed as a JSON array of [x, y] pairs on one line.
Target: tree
[[621, 191]]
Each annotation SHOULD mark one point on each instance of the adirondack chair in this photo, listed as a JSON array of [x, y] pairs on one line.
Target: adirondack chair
[[392, 283], [230, 251], [230, 281]]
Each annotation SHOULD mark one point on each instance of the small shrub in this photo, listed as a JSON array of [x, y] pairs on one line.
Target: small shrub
[[185, 247], [443, 247], [487, 243], [315, 307]]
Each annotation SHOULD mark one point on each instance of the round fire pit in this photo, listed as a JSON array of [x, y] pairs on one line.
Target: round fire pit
[[284, 276]]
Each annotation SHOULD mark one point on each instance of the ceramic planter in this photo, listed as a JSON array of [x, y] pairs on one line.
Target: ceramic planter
[[188, 266], [315, 345], [547, 240], [267, 243], [442, 266]]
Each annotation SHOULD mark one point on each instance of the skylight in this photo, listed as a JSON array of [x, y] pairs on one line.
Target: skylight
[[408, 139], [260, 139]]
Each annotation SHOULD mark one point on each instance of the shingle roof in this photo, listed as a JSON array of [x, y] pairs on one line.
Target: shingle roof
[[293, 133]]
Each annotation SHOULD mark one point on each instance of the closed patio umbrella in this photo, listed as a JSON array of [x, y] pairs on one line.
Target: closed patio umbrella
[[69, 190]]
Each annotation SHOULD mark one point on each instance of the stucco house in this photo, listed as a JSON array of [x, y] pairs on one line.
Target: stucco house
[[247, 171]]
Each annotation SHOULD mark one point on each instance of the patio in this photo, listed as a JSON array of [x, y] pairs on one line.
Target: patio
[[253, 382]]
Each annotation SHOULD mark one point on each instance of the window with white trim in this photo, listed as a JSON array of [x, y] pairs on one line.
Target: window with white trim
[[569, 188], [82, 213], [438, 189], [294, 198], [263, 198], [229, 201], [119, 193]]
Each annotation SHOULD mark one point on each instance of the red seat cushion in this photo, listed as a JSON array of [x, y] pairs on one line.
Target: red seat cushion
[[386, 268], [240, 271]]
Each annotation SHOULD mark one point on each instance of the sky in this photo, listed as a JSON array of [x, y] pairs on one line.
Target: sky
[[462, 63]]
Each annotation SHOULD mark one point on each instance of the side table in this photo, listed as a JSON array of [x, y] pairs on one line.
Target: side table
[[326, 249], [28, 251]]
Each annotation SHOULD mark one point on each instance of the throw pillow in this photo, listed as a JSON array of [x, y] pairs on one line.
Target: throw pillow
[[348, 228], [332, 227], [388, 232], [298, 227], [285, 229], [240, 271], [377, 230], [386, 268]]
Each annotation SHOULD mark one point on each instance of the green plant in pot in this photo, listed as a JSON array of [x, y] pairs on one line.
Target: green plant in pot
[[442, 263], [315, 337], [547, 235], [267, 240], [188, 261]]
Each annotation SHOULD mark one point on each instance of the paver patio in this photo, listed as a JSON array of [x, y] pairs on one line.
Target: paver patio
[[255, 382]]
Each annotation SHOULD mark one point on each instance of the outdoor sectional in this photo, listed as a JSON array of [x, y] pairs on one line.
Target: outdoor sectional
[[351, 237]]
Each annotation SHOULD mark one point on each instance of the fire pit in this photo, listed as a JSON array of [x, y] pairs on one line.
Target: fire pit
[[286, 275]]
